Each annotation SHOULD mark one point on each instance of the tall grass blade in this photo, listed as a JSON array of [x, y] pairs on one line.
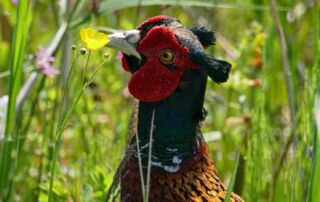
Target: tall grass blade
[[140, 167], [232, 181], [115, 5], [110, 6], [17, 55], [149, 157], [61, 127], [313, 192]]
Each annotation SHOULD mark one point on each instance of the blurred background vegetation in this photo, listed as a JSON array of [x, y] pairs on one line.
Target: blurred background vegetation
[[65, 142]]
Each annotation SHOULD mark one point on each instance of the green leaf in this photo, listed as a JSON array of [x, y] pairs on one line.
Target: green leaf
[[113, 5], [232, 181], [17, 55]]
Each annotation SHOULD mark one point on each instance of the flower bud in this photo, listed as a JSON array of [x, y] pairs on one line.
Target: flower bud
[[74, 47], [106, 56], [83, 51]]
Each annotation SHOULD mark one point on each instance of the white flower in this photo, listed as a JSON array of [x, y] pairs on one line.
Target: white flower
[[3, 112]]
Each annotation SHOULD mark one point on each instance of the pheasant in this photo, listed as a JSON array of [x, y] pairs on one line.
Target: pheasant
[[169, 70]]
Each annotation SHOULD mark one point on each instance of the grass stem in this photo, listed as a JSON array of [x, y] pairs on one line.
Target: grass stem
[[140, 167], [149, 157], [61, 125], [289, 85]]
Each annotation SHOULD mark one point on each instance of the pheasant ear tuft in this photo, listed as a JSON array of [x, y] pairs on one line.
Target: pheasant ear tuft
[[205, 36], [218, 70]]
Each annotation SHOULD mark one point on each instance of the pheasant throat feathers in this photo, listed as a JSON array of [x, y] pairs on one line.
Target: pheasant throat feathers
[[166, 61]]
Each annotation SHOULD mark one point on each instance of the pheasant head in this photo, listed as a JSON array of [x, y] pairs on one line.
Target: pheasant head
[[169, 69], [160, 51]]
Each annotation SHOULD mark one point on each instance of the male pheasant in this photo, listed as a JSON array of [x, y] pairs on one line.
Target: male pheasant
[[169, 70]]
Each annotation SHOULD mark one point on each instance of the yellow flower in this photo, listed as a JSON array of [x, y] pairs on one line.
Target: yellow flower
[[260, 38], [93, 40]]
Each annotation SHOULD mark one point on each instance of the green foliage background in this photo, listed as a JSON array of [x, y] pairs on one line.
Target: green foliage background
[[253, 114]]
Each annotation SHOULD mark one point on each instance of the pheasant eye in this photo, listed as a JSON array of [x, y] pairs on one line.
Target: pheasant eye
[[166, 56]]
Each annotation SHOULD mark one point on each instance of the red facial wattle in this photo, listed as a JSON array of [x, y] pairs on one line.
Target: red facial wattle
[[154, 81]]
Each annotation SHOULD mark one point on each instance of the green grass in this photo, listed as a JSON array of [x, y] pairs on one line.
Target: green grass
[[72, 155], [313, 194], [11, 142]]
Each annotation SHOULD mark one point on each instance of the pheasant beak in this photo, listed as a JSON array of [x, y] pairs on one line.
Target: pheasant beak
[[125, 42]]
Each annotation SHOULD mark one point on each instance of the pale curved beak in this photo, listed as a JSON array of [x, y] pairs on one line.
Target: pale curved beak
[[125, 42]]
